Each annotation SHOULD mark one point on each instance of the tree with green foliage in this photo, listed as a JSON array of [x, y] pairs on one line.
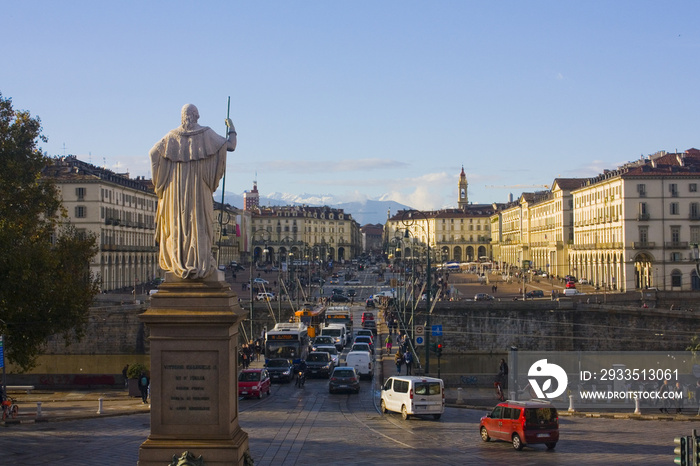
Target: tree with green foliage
[[46, 286]]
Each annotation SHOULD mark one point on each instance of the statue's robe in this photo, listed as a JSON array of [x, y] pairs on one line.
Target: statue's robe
[[187, 167]]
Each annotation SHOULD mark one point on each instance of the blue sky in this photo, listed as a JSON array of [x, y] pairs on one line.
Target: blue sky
[[364, 99]]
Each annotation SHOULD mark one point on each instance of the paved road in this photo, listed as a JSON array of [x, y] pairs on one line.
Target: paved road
[[308, 426]]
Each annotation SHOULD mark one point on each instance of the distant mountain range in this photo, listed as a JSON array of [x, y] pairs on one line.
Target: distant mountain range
[[364, 212]]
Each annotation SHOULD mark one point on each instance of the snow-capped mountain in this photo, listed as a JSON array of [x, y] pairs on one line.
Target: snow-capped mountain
[[364, 212]]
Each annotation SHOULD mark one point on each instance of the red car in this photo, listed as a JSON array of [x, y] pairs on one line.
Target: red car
[[254, 382], [522, 423], [570, 284], [367, 316]]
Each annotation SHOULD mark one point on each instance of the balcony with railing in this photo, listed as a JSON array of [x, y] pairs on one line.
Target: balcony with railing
[[676, 245], [644, 245]]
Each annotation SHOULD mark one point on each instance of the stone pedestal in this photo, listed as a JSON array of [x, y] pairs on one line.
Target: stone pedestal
[[194, 397]]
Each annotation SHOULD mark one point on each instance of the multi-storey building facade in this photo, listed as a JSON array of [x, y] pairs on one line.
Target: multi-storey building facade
[[626, 229], [251, 199], [635, 227], [462, 234], [300, 232], [231, 233], [372, 238], [534, 231], [120, 211]]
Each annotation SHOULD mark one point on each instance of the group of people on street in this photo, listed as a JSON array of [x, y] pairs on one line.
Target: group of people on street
[[402, 359], [250, 352], [392, 322], [665, 389]]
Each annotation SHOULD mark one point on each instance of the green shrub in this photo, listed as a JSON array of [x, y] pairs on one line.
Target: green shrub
[[135, 370]]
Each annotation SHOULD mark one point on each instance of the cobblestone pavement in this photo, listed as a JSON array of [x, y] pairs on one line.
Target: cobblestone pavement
[[308, 426]]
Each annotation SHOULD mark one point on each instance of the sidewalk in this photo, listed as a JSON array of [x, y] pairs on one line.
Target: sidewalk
[[49, 406]]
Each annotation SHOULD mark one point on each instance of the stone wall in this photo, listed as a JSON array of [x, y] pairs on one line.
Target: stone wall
[[112, 329], [561, 325]]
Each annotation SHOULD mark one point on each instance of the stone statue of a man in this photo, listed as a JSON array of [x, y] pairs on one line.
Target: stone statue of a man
[[187, 165]]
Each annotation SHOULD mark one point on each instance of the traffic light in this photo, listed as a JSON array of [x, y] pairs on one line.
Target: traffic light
[[681, 451], [439, 350]]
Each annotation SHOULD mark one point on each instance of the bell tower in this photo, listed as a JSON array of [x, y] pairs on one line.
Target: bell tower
[[463, 200]]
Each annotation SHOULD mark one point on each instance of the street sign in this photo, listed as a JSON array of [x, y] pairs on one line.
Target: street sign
[[420, 341], [2, 352], [437, 330], [420, 330]]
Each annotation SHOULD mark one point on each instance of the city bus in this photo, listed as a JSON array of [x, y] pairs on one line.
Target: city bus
[[340, 315], [312, 316], [287, 340]]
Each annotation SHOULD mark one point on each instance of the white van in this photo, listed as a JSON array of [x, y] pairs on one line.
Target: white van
[[339, 333], [413, 395], [361, 361]]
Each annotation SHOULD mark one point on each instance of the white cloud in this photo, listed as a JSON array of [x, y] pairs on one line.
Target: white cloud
[[427, 192]]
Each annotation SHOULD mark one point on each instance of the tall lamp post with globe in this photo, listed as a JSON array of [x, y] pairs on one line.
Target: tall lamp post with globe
[[252, 260], [408, 219], [408, 235]]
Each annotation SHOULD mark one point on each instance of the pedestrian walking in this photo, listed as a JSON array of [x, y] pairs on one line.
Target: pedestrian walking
[[388, 344], [408, 360], [398, 360], [503, 373], [664, 394], [126, 377], [258, 348], [679, 398], [143, 386]]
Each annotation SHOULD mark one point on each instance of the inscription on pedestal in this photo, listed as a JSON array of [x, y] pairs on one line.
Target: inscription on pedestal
[[190, 387]]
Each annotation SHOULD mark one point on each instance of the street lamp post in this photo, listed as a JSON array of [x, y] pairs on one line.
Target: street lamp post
[[408, 234], [408, 220], [250, 284], [224, 219], [2, 361], [696, 255]]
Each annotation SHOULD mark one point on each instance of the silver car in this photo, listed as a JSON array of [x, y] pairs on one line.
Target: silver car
[[332, 350]]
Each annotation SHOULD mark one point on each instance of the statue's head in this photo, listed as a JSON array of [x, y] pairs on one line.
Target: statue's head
[[190, 115]]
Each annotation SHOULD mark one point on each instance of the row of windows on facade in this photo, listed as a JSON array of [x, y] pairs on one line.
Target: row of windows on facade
[[674, 208], [128, 200], [471, 227], [672, 189], [127, 238], [287, 213], [461, 220], [609, 194], [480, 239], [308, 229], [676, 235]]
